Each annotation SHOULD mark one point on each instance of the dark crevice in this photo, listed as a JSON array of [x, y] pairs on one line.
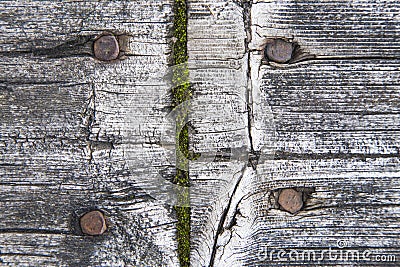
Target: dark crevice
[[95, 145], [160, 225], [233, 221], [300, 56], [345, 206], [181, 93], [253, 155], [33, 231], [336, 58], [47, 185], [52, 53], [80, 46], [24, 254], [11, 165], [5, 85]]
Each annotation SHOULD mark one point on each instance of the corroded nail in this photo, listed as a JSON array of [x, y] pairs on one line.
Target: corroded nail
[[279, 51], [93, 223], [290, 200], [106, 48]]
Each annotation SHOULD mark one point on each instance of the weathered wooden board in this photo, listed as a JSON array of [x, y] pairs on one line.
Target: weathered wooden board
[[336, 122], [218, 68], [334, 29], [78, 134]]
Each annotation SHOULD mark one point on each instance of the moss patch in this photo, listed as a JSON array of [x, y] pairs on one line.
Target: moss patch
[[182, 93], [180, 32]]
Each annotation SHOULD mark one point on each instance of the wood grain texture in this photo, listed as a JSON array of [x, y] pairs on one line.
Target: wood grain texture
[[217, 63], [331, 28], [336, 120], [78, 134]]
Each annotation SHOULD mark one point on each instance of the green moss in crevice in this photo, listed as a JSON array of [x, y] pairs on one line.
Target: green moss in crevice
[[181, 93], [183, 228], [180, 32]]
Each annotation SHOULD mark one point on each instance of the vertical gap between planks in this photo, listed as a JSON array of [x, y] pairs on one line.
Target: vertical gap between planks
[[181, 94]]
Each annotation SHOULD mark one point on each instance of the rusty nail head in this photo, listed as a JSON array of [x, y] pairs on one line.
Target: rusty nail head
[[290, 200], [106, 48], [279, 51], [93, 223]]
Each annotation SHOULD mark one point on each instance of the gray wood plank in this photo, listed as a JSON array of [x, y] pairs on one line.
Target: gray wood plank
[[77, 134], [72, 130], [337, 28], [31, 26], [218, 68], [335, 131]]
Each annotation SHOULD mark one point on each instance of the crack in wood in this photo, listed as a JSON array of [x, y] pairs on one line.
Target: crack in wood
[[34, 231], [223, 218], [253, 155], [79, 46]]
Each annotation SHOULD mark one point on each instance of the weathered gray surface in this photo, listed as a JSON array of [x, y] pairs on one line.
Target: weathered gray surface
[[72, 126], [77, 134], [218, 73], [336, 116]]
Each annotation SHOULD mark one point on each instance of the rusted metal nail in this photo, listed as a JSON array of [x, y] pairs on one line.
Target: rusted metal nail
[[279, 51], [93, 223], [106, 48], [290, 200]]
